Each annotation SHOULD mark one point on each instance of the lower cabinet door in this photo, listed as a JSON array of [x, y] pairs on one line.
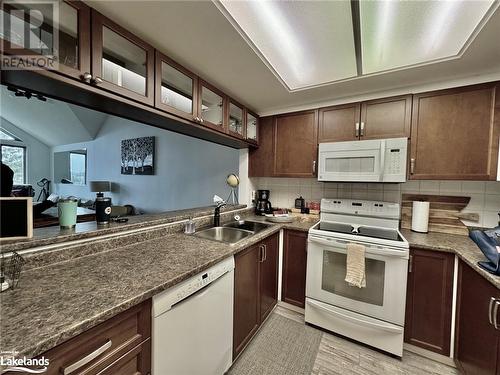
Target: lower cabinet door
[[269, 276], [429, 300], [246, 317], [477, 340], [293, 288], [135, 362]]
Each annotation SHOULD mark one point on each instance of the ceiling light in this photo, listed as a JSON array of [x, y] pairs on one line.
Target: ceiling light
[[396, 34], [304, 43]]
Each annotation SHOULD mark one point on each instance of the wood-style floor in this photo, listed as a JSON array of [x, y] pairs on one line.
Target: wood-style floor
[[340, 356]]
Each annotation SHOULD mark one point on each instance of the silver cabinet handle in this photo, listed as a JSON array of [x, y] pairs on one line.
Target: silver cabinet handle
[[495, 313], [410, 264], [362, 132], [261, 250], [412, 166], [96, 80], [357, 129], [87, 77], [88, 358], [314, 166], [492, 301]]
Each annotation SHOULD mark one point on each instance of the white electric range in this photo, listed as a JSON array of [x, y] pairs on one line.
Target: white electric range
[[375, 314]]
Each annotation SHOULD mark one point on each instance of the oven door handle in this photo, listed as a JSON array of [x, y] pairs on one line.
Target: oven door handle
[[387, 252], [352, 319]]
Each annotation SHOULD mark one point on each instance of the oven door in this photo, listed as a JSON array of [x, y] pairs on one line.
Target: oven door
[[384, 296]]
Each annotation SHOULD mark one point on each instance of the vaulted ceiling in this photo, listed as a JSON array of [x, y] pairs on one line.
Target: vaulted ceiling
[[44, 120], [274, 56]]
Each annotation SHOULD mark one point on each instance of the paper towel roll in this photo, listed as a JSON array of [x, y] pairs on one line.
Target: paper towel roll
[[420, 217]]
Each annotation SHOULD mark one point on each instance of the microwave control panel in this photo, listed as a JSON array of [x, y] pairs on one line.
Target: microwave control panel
[[393, 161]]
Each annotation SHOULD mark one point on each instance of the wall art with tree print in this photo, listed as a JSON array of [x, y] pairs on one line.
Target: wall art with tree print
[[138, 156]]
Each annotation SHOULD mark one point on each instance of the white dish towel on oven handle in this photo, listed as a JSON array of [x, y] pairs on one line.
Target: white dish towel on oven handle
[[355, 267]]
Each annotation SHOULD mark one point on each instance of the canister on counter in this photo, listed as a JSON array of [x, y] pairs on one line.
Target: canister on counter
[[67, 208]]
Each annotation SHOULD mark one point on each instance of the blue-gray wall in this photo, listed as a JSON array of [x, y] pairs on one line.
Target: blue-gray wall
[[188, 171]]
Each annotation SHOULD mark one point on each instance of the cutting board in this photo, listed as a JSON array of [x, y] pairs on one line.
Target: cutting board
[[444, 213]]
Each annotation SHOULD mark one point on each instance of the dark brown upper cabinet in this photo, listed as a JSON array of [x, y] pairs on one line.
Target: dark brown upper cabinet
[[455, 134], [121, 62], [296, 144], [260, 160], [339, 123], [374, 119], [252, 127], [386, 118], [176, 88], [212, 105], [236, 119], [73, 37]]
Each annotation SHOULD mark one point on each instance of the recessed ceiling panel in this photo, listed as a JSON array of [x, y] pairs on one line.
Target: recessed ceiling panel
[[305, 43], [396, 34]]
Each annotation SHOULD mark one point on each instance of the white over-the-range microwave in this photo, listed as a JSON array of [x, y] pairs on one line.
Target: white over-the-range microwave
[[378, 160]]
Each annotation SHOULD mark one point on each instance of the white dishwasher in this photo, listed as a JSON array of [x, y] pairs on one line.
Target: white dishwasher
[[193, 324]]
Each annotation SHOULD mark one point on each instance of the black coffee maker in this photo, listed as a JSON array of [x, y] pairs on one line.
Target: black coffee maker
[[263, 206]]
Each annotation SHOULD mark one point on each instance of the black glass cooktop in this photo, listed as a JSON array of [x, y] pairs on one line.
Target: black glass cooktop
[[363, 231]]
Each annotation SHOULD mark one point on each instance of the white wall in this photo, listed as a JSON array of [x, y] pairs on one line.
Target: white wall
[[38, 157], [188, 171], [485, 195]]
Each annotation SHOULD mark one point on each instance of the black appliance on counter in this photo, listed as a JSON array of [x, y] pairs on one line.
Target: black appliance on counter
[[263, 205]]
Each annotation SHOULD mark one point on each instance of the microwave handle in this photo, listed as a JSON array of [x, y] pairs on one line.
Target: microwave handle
[[382, 160], [370, 249]]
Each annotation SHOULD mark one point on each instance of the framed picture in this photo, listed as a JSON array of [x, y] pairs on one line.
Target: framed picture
[[137, 156], [16, 218]]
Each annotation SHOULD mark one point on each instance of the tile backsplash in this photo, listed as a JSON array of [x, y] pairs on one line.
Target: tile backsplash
[[485, 195]]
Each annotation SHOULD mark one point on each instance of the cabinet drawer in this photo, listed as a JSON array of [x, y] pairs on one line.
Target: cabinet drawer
[[94, 350], [135, 362]]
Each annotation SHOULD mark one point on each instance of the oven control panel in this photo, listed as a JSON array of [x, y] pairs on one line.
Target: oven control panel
[[361, 207]]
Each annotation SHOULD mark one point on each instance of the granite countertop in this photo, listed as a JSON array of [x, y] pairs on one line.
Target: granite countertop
[[57, 302], [302, 222], [463, 246], [53, 235]]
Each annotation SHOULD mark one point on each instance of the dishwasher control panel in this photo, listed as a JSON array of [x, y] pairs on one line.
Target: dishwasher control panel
[[165, 300]]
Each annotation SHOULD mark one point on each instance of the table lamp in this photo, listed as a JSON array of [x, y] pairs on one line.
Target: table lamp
[[102, 203], [233, 181]]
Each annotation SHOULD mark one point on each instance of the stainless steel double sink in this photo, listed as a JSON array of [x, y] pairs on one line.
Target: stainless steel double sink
[[233, 232]]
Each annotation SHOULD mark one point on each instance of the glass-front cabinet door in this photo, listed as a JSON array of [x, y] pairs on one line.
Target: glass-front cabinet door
[[62, 31], [121, 62], [176, 88], [252, 127], [236, 121], [211, 107]]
